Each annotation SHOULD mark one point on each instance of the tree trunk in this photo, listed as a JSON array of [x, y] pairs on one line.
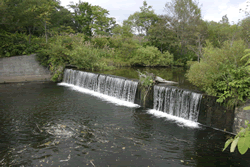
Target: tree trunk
[[45, 32], [29, 35]]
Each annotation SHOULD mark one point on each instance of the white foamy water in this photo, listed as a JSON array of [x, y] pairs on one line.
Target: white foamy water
[[180, 121], [104, 97]]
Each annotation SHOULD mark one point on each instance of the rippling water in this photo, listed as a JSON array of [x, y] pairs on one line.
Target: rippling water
[[43, 124]]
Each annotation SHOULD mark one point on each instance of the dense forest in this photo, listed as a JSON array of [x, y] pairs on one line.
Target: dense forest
[[86, 37]]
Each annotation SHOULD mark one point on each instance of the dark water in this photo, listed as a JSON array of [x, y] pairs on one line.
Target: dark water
[[170, 74], [43, 124]]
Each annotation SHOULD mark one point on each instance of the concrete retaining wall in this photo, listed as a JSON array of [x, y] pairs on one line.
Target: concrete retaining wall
[[215, 115], [22, 69], [240, 117]]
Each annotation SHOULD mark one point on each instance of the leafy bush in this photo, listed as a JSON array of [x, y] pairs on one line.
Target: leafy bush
[[151, 56], [18, 44], [222, 73], [241, 140], [73, 50], [100, 41], [86, 56]]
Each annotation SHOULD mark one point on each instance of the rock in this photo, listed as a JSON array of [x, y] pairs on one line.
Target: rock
[[161, 80]]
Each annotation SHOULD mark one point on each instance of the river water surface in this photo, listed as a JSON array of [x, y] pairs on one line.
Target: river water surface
[[45, 124]]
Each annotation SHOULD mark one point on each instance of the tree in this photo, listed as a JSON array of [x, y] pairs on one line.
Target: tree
[[245, 32], [26, 15], [161, 35], [83, 17], [92, 20], [62, 21], [140, 22], [45, 10], [101, 23], [183, 17], [123, 30], [198, 41]]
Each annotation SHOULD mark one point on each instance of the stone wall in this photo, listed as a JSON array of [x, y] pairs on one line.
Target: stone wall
[[240, 117], [22, 69]]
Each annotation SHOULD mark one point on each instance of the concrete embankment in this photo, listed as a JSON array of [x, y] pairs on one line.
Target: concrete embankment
[[22, 69]]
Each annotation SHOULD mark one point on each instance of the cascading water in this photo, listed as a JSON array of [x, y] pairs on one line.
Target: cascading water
[[169, 102], [115, 87], [177, 102]]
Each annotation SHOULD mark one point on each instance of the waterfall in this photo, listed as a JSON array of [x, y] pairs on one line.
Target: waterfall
[[177, 102], [115, 87]]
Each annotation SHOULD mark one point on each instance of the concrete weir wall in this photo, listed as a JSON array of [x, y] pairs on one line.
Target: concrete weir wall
[[211, 114], [241, 116], [22, 69]]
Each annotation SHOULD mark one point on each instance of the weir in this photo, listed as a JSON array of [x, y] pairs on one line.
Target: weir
[[177, 102], [170, 100], [115, 87]]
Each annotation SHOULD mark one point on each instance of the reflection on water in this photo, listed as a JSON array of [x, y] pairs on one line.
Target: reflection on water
[[42, 124]]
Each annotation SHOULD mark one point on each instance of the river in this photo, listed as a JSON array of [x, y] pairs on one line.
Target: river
[[47, 124]]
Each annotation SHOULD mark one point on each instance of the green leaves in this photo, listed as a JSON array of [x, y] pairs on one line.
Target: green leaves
[[243, 144], [151, 56], [222, 73], [92, 20], [246, 108], [228, 142], [233, 145], [241, 140], [140, 22]]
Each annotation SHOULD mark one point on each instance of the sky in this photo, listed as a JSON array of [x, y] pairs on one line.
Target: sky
[[210, 9]]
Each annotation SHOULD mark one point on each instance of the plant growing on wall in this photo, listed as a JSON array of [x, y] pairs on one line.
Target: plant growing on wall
[[241, 140], [146, 82]]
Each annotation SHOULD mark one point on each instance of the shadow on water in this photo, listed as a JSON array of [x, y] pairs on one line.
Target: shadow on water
[[42, 124]]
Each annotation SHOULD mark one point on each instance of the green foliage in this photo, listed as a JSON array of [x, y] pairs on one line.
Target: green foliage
[[233, 85], [161, 36], [247, 108], [127, 49], [140, 22], [18, 44], [100, 41], [190, 63], [146, 80], [248, 61], [184, 18], [151, 56], [222, 73], [124, 31], [92, 20], [73, 50], [146, 83], [86, 56], [241, 140]]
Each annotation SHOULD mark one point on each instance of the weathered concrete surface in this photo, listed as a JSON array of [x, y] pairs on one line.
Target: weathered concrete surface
[[215, 115], [144, 97], [240, 117], [21, 69]]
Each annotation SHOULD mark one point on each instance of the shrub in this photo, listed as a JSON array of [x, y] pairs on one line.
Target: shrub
[[18, 44], [73, 50], [222, 73], [151, 56]]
